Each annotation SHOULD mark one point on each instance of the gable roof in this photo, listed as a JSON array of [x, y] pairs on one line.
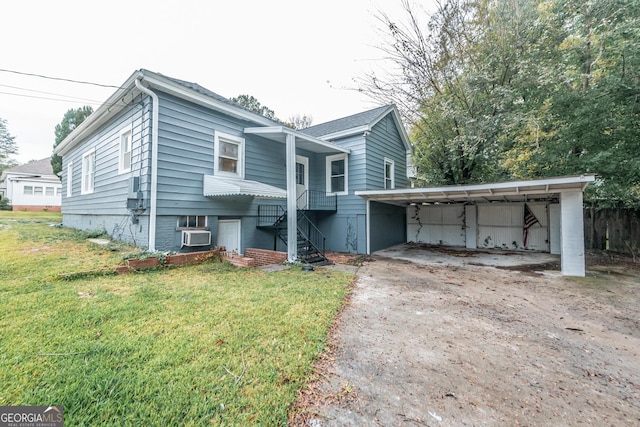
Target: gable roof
[[37, 167], [345, 123], [124, 95], [359, 123]]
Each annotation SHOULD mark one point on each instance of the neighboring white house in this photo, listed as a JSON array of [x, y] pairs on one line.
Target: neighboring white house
[[32, 187]]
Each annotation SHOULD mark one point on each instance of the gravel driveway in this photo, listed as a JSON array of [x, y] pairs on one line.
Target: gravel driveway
[[443, 342]]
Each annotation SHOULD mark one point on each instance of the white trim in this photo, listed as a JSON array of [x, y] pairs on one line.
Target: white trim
[[388, 161], [217, 136], [85, 174], [70, 179], [127, 131], [205, 227], [279, 133], [155, 117], [239, 235], [304, 161], [331, 159]]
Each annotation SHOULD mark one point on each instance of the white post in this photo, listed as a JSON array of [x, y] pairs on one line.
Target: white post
[[292, 207], [572, 234]]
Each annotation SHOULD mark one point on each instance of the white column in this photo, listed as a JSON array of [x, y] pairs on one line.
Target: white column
[[292, 208], [572, 234]]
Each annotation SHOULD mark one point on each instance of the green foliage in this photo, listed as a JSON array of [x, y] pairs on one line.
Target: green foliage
[[5, 204], [251, 103], [71, 120], [201, 345], [8, 147], [521, 89]]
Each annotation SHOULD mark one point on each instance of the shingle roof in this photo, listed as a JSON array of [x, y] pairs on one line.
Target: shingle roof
[[345, 123], [37, 167], [203, 90]]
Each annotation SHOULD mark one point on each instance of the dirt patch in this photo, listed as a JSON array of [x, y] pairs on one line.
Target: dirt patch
[[469, 345]]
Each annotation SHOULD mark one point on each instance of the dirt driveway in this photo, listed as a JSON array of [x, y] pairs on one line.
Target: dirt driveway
[[455, 344]]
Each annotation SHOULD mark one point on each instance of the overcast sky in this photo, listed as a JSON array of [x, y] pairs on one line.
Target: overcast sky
[[294, 56]]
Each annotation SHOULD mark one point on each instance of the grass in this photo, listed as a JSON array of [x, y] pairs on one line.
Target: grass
[[198, 345]]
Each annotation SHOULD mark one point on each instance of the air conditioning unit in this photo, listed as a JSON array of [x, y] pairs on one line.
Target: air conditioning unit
[[196, 238]]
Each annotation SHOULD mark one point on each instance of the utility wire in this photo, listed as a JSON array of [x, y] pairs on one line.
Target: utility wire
[[47, 93], [48, 98], [58, 78]]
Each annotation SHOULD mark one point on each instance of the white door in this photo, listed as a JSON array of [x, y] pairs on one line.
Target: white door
[[229, 234], [302, 181]]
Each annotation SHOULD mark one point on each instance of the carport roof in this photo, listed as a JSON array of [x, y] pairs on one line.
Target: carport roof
[[513, 191]]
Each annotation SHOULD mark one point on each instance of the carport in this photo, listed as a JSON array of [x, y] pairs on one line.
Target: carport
[[496, 215]]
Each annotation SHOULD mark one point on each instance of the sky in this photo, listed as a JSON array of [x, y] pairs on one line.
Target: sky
[[294, 56]]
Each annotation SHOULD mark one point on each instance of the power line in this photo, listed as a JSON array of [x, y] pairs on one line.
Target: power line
[[58, 78], [46, 93], [48, 98]]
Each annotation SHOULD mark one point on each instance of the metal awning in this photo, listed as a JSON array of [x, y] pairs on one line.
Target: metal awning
[[513, 191], [216, 186]]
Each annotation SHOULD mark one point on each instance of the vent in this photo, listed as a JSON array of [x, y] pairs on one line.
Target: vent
[[196, 238]]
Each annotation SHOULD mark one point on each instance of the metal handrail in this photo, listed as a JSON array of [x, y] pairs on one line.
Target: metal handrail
[[270, 215], [311, 233], [317, 200]]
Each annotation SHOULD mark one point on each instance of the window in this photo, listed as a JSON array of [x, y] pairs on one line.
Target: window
[[37, 191], [58, 191], [337, 174], [69, 179], [88, 172], [125, 150], [389, 173], [49, 191], [192, 221], [28, 189], [300, 174], [228, 155]]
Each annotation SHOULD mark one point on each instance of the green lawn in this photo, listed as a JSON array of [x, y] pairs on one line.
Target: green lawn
[[186, 346]]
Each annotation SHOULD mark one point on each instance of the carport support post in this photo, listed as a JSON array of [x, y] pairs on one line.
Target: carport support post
[[292, 206], [572, 234]]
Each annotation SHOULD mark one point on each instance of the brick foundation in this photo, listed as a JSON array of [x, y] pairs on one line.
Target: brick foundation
[[238, 260], [265, 257], [25, 208]]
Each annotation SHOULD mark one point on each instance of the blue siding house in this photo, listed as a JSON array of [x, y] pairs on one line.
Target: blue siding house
[[168, 165]]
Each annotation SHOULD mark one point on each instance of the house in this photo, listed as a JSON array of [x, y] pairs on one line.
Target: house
[[169, 165], [32, 187]]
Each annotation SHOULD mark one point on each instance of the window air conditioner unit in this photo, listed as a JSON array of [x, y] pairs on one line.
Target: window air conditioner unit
[[196, 238]]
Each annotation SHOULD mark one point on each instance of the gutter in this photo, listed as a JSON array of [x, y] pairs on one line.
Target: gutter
[[154, 162]]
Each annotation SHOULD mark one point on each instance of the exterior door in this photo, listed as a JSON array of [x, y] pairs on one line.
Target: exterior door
[[302, 181], [229, 234]]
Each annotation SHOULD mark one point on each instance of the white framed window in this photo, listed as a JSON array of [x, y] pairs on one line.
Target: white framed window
[[337, 174], [228, 153], [28, 189], [69, 179], [88, 172], [389, 174], [58, 191], [49, 191], [125, 150], [192, 221], [37, 191]]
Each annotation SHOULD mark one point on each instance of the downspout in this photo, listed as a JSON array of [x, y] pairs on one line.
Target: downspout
[[154, 163]]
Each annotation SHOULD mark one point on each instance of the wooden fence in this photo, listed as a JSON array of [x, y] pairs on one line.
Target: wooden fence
[[615, 230]]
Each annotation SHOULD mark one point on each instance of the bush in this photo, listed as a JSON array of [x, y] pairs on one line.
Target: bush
[[5, 204]]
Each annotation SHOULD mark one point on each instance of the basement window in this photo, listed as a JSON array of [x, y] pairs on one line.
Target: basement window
[[192, 222]]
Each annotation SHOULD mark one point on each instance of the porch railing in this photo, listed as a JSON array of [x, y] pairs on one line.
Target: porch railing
[[270, 215], [313, 200], [311, 233]]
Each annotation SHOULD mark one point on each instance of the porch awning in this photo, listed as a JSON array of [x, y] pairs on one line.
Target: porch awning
[[215, 186]]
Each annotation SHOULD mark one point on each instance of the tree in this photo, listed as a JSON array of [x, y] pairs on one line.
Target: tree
[[251, 103], [71, 120], [8, 147], [501, 89], [298, 121]]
